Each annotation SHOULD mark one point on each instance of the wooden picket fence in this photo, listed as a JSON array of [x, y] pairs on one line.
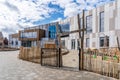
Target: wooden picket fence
[[105, 63]]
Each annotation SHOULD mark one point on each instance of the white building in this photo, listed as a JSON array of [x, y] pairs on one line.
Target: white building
[[99, 22], [14, 41]]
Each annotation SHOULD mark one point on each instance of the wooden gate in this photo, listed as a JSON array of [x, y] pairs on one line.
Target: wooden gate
[[70, 60], [50, 57]]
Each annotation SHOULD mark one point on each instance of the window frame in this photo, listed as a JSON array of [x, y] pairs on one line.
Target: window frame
[[63, 43], [73, 44], [89, 24], [101, 18], [100, 41], [87, 43]]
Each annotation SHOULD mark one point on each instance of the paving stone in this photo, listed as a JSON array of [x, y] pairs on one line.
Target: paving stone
[[12, 68]]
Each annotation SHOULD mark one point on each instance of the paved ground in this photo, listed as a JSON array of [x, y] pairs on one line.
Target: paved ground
[[11, 68]]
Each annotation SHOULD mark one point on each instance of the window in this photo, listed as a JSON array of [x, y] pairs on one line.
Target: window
[[101, 41], [12, 42], [52, 32], [81, 25], [29, 34], [64, 27], [34, 43], [104, 41], [26, 43], [78, 44], [81, 22], [63, 43], [87, 42], [89, 24], [101, 22], [16, 42], [73, 44]]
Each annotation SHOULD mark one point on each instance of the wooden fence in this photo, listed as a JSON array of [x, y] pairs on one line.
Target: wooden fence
[[30, 54], [103, 63]]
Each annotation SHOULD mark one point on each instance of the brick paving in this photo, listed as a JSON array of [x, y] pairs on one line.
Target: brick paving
[[12, 68]]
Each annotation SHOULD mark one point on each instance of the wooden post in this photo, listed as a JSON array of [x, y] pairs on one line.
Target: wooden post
[[59, 46], [118, 44], [79, 27], [41, 57], [82, 45]]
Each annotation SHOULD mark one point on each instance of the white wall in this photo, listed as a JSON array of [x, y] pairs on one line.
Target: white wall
[[14, 43], [108, 14]]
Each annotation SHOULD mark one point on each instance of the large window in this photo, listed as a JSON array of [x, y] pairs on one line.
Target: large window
[[87, 42], [101, 29], [104, 41], [52, 31], [89, 24], [65, 27], [26, 43], [73, 44], [29, 34]]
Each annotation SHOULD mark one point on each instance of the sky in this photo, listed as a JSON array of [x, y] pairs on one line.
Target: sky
[[18, 14]]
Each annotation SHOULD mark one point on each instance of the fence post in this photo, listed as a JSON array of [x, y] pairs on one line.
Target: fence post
[[118, 74], [79, 58], [118, 70], [59, 58], [41, 57]]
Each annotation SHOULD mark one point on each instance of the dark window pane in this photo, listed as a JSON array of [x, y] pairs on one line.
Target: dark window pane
[[73, 44], [101, 41], [87, 42], [101, 21], [16, 42], [63, 43], [104, 41], [89, 24]]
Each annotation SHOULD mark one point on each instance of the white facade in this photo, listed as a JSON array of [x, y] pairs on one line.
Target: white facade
[[14, 42], [111, 27]]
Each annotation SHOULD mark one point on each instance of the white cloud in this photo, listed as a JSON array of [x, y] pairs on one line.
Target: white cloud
[[58, 19], [71, 10], [18, 14], [22, 12]]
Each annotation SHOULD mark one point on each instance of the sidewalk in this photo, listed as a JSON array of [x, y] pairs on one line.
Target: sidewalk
[[12, 68]]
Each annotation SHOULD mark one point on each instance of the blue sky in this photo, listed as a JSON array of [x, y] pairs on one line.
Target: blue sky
[[18, 14]]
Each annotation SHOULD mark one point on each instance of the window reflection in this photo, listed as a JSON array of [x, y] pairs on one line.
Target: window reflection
[[28, 34]]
